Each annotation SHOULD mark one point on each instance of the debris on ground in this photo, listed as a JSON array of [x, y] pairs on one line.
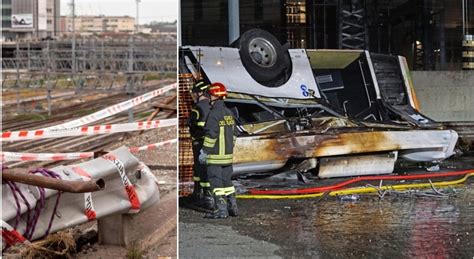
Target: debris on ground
[[434, 168], [57, 245], [352, 197]]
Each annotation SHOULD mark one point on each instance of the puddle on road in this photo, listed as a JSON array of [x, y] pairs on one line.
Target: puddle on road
[[398, 225]]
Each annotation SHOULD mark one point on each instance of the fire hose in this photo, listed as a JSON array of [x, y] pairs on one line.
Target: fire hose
[[338, 189]]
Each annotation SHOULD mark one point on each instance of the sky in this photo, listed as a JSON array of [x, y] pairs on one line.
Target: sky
[[150, 10]]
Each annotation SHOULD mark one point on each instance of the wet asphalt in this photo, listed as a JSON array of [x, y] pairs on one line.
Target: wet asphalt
[[398, 225]]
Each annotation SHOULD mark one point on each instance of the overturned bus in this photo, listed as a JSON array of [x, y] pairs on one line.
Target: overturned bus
[[331, 113]]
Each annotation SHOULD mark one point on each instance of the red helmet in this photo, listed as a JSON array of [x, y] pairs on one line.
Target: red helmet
[[218, 90]]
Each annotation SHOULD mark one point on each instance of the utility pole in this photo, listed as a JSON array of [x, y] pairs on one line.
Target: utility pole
[[73, 5], [37, 18], [136, 18], [73, 54], [463, 18]]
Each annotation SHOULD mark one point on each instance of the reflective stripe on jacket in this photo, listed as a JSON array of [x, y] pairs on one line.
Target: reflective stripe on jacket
[[219, 135], [197, 119]]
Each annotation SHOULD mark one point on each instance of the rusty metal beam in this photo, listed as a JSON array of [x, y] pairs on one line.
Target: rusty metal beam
[[15, 175]]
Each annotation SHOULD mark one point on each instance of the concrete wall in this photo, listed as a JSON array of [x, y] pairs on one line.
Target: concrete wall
[[445, 95]]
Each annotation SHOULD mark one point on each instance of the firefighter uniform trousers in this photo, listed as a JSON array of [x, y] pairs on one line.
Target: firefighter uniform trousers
[[220, 179], [196, 123], [219, 145]]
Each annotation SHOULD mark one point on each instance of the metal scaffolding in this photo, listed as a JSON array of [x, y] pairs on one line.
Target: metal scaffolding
[[92, 55], [119, 64], [352, 25]]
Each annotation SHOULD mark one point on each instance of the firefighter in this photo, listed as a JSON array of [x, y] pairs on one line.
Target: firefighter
[[217, 153], [202, 195]]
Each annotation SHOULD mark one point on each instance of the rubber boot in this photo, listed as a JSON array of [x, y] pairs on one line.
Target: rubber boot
[[196, 196], [232, 205], [221, 209], [207, 201]]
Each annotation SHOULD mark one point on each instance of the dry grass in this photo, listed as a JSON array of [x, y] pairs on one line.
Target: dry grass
[[58, 245]]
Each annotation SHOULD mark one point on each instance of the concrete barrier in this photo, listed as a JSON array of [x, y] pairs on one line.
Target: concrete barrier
[[445, 95]]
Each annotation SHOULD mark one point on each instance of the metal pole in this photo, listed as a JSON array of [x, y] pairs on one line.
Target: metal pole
[[468, 24], [17, 56], [102, 65], [130, 76], [48, 96], [73, 39], [48, 83], [29, 56], [37, 18], [17, 81], [234, 22], [463, 18], [179, 24], [137, 17]]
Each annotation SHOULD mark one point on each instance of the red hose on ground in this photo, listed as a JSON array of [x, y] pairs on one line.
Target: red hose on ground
[[354, 180]]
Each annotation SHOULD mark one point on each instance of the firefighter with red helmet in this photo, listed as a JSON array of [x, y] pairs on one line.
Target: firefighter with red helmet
[[217, 153], [201, 195]]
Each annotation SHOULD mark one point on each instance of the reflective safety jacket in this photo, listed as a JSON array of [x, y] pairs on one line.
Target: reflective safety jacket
[[219, 136], [197, 119]]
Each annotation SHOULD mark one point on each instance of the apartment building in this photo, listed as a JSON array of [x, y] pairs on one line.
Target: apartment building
[[30, 19], [98, 24]]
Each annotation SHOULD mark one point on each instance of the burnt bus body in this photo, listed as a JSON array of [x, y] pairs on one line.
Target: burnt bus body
[[333, 113]]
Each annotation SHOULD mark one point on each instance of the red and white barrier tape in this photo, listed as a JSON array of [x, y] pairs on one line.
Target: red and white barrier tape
[[112, 110], [91, 130], [153, 146], [13, 156], [129, 188], [89, 210], [11, 236]]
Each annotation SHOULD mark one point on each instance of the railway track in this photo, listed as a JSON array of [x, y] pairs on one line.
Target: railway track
[[66, 112], [64, 99], [82, 143]]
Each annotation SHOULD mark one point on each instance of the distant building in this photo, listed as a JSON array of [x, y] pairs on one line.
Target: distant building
[[98, 24], [162, 28], [144, 30], [30, 19]]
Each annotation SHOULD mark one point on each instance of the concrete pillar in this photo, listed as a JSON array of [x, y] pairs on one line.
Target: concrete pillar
[[115, 230]]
